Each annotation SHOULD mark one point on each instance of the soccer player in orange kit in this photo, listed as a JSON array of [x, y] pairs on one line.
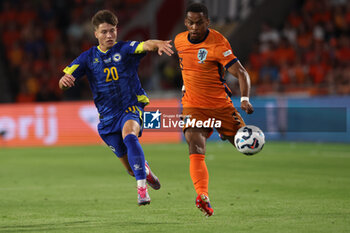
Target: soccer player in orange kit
[[203, 55]]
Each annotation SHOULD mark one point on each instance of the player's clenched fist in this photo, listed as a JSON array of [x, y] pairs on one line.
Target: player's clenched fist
[[247, 107], [66, 81]]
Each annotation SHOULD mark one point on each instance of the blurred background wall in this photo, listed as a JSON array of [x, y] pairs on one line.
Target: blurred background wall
[[292, 49]]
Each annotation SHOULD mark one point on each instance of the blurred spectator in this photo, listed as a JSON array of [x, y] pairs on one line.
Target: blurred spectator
[[39, 39], [269, 34], [290, 33], [309, 54], [170, 74], [269, 72]]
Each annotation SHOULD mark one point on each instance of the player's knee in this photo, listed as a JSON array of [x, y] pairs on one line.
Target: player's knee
[[197, 149], [129, 133]]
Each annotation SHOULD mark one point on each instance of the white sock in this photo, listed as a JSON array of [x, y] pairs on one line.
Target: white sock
[[147, 171], [141, 183]]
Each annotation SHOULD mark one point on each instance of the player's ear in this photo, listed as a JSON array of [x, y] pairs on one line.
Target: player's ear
[[208, 22]]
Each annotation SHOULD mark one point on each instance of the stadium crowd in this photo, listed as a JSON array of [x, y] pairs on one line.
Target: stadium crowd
[[40, 38], [309, 55]]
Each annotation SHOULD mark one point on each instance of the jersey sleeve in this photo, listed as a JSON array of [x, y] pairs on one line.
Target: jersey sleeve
[[224, 54], [134, 47], [176, 42], [78, 67]]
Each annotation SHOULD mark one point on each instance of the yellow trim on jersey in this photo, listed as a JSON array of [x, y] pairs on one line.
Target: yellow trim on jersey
[[142, 99], [139, 48], [70, 70], [98, 47]]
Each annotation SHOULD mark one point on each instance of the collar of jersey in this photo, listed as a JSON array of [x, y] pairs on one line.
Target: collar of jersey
[[98, 47], [197, 42]]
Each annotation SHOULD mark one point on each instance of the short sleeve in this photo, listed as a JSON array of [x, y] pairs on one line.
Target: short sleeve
[[78, 67], [133, 47], [224, 54]]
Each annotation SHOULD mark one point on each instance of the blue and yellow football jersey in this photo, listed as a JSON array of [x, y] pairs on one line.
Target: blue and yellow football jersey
[[113, 77]]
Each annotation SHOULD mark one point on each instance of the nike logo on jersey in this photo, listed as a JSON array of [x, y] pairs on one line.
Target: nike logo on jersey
[[96, 60]]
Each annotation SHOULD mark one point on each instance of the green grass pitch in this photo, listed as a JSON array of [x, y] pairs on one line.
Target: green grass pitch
[[288, 187]]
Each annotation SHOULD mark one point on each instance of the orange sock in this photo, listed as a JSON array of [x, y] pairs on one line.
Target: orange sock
[[199, 173]]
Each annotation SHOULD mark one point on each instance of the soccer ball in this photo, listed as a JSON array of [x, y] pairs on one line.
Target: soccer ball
[[249, 140]]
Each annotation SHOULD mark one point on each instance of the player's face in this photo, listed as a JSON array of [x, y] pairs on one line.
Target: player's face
[[106, 35], [197, 25]]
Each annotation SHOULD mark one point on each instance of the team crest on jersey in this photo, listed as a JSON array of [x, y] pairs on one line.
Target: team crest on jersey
[[117, 57], [202, 55]]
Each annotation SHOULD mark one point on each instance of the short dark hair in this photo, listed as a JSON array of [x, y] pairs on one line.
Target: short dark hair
[[198, 8], [104, 16]]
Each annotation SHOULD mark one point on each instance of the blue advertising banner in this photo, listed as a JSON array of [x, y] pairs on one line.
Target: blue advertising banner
[[318, 119]]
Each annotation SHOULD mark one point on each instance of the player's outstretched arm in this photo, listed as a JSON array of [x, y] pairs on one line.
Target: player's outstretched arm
[[162, 46], [66, 81], [239, 72]]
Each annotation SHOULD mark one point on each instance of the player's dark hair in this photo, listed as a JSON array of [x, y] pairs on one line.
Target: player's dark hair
[[198, 8], [104, 16]]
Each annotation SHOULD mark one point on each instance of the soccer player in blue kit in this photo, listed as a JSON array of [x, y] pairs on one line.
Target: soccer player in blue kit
[[111, 68]]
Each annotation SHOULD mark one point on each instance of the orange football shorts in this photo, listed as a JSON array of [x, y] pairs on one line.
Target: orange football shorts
[[226, 121]]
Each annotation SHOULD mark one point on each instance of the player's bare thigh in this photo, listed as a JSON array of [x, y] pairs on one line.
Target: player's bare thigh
[[131, 127]]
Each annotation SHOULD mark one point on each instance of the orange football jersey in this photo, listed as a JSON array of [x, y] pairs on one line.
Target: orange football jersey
[[202, 69]]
